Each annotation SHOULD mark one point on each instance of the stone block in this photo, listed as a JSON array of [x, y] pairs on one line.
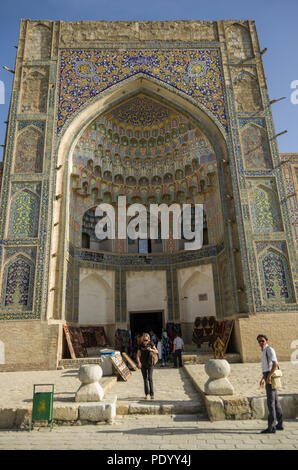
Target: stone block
[[189, 359], [287, 402], [111, 411], [7, 418], [143, 409], [288, 405], [94, 412], [215, 408], [166, 409], [219, 387], [122, 409], [89, 393], [22, 417], [188, 408], [296, 404], [259, 408], [237, 408], [66, 412]]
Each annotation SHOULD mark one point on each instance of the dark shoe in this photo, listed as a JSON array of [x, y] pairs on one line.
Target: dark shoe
[[268, 431], [279, 428], [152, 397]]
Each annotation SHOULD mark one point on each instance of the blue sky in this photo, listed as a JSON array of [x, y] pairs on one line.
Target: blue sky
[[276, 23]]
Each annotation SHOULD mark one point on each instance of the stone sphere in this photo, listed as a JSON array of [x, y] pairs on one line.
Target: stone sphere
[[90, 373], [217, 368]]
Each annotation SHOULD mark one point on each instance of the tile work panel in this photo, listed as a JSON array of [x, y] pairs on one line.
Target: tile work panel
[[86, 73]]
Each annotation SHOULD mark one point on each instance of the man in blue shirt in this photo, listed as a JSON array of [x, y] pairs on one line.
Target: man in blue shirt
[[269, 365]]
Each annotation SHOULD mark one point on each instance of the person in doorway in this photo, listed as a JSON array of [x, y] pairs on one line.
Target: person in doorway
[[165, 351], [269, 365], [135, 345], [143, 362], [159, 349], [178, 347], [153, 337]]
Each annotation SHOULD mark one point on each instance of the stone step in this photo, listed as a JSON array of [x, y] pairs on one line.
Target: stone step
[[193, 356], [77, 363], [158, 408], [232, 358]]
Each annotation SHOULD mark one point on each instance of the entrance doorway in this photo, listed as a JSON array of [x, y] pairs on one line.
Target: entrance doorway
[[143, 322]]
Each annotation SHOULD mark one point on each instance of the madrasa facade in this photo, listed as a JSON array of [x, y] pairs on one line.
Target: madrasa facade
[[159, 112]]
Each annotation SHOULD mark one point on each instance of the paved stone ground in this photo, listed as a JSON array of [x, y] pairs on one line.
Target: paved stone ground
[[17, 387], [180, 432], [171, 386], [246, 378]]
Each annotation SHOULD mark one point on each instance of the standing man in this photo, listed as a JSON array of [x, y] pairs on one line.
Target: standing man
[[178, 347], [269, 365]]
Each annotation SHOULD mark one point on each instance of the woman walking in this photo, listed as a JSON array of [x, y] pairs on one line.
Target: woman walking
[[145, 364]]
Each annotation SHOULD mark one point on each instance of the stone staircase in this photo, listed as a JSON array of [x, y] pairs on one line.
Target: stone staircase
[[194, 355], [190, 356], [170, 406], [77, 363]]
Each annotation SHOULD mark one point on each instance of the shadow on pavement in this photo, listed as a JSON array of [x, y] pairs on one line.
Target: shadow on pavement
[[153, 431]]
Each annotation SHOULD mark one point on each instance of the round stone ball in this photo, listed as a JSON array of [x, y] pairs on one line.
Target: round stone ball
[[90, 373], [217, 368]]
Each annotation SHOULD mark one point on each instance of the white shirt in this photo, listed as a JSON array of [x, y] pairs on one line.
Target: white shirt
[[178, 343], [268, 356]]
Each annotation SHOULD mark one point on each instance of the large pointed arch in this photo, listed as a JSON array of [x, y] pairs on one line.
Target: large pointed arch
[[74, 130]]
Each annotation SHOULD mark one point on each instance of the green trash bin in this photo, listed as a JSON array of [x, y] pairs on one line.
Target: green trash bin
[[42, 408]]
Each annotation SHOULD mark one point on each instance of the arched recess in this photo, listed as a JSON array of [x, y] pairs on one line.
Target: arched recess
[[255, 147], [266, 216], [88, 223], [275, 277], [18, 281], [247, 92], [29, 151], [95, 301], [39, 42], [197, 295], [69, 138], [24, 215], [239, 42]]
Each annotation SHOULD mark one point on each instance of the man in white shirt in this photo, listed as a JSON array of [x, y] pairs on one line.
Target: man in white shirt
[[178, 347], [269, 365]]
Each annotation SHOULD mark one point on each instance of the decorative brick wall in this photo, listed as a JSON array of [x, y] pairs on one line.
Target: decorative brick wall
[[66, 73]]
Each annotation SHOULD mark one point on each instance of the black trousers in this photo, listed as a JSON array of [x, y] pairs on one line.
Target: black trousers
[[177, 355], [274, 408], [148, 382]]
